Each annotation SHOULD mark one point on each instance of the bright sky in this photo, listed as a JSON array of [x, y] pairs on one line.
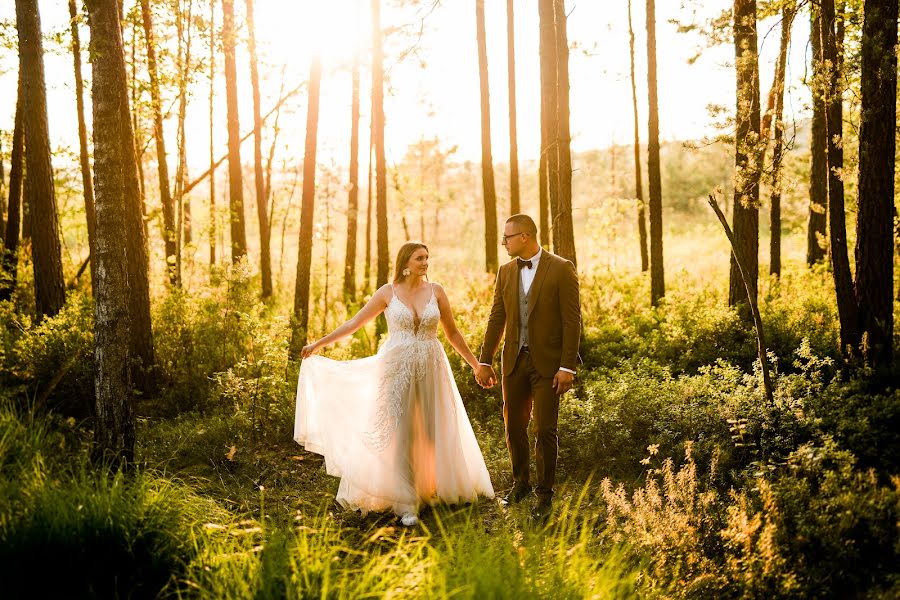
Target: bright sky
[[439, 97]]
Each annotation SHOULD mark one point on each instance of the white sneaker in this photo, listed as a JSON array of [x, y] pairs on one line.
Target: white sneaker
[[409, 519]]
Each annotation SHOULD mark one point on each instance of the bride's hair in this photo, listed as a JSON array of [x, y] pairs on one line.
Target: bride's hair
[[403, 255]]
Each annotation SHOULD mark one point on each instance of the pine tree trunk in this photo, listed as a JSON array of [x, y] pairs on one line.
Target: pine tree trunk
[[165, 193], [787, 21], [113, 166], [638, 183], [353, 194], [184, 61], [235, 175], [657, 271], [565, 244], [818, 172], [831, 97], [548, 166], [367, 272], [212, 127], [487, 161], [746, 161], [10, 257], [381, 275], [40, 194], [515, 206], [307, 210], [874, 241], [265, 255], [85, 161]]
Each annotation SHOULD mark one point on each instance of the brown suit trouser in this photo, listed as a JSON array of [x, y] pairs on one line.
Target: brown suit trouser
[[527, 392]]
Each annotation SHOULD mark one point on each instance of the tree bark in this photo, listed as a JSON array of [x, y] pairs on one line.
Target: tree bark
[[265, 255], [745, 217], [367, 272], [10, 255], [487, 162], [514, 200], [353, 194], [818, 172], [547, 167], [212, 127], [85, 161], [165, 193], [564, 244], [235, 175], [113, 167], [787, 21], [182, 215], [657, 271], [307, 210], [831, 99], [381, 275], [638, 183], [874, 241], [40, 194]]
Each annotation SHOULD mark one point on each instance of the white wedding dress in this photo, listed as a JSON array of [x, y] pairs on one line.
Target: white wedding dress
[[392, 426]]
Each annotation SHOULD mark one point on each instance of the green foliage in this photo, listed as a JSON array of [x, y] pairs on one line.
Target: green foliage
[[110, 534], [50, 362]]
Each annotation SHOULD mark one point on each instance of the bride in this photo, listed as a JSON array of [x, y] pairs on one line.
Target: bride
[[392, 426]]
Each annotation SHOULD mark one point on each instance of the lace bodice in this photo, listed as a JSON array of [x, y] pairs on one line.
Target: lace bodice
[[402, 323]]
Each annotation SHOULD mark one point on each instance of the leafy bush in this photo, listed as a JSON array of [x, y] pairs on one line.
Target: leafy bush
[[50, 362]]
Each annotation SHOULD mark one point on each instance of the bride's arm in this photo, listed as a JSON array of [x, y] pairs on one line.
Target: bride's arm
[[455, 338], [374, 307]]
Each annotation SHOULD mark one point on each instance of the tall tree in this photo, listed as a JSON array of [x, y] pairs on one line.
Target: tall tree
[[818, 161], [638, 184], [307, 210], [183, 19], [367, 269], [40, 194], [563, 228], [165, 192], [86, 180], [10, 256], [265, 257], [383, 267], [831, 99], [487, 161], [787, 21], [745, 218], [514, 201], [657, 272], [114, 166], [874, 242], [235, 175], [353, 193], [546, 162], [212, 127]]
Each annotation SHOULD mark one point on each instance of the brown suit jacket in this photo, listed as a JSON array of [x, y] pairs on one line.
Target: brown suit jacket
[[554, 316]]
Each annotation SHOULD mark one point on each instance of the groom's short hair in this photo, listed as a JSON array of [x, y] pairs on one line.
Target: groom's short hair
[[525, 222]]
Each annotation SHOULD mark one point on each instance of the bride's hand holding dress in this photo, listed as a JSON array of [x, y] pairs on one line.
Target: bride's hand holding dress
[[393, 425]]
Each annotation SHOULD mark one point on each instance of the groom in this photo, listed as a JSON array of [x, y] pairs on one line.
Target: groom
[[536, 305]]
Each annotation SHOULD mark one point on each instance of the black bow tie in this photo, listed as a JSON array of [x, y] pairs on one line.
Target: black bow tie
[[524, 263]]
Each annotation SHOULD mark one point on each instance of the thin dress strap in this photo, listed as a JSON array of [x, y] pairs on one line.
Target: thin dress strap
[[432, 289]]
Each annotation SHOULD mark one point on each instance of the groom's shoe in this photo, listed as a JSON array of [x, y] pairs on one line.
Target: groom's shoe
[[516, 495], [542, 510]]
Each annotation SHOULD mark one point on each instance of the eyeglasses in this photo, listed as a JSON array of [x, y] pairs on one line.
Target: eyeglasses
[[506, 237]]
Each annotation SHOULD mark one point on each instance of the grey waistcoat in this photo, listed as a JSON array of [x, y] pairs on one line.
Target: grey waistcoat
[[523, 312]]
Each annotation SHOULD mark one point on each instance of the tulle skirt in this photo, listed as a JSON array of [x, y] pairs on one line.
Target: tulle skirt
[[393, 427]]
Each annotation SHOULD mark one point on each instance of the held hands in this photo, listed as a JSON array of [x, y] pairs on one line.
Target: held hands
[[485, 376], [562, 382]]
